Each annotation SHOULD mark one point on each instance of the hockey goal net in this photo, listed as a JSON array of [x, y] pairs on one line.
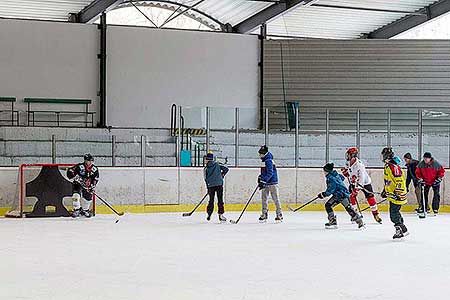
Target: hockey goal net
[[42, 190]]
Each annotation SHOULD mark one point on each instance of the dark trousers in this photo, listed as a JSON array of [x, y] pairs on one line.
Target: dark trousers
[[333, 201], [394, 213], [436, 196], [211, 192]]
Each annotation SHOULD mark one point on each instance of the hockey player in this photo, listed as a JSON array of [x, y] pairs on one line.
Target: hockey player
[[85, 178], [394, 190], [411, 166], [359, 179], [268, 183], [214, 174], [340, 193], [429, 174]]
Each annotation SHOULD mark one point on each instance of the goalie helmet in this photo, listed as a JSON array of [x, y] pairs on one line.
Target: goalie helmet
[[351, 153]]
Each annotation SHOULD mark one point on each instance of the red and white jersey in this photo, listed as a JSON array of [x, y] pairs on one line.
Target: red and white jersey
[[358, 173]]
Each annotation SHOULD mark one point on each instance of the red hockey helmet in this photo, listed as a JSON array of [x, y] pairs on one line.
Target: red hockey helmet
[[351, 153]]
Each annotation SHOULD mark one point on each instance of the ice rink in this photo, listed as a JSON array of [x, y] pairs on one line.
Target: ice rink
[[166, 256]]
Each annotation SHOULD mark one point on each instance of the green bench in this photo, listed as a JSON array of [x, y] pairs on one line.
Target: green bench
[[59, 114], [14, 120]]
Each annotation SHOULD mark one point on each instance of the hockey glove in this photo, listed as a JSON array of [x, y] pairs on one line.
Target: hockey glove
[[345, 172], [383, 194], [321, 195], [437, 181], [421, 181], [261, 185]]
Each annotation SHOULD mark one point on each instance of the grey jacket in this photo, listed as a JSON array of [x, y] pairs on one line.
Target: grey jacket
[[214, 173]]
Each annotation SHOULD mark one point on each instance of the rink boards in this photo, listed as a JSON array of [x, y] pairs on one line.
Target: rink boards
[[170, 189]]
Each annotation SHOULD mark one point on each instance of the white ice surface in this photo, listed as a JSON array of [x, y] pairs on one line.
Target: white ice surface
[[166, 256]]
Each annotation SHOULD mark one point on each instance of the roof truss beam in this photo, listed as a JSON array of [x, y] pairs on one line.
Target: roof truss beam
[[430, 12], [274, 11], [95, 9]]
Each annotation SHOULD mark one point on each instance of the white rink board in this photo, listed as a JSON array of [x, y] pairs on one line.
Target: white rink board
[[150, 186], [167, 257]]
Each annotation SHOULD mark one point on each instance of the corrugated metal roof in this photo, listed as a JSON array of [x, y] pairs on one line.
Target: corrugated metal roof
[[344, 23], [305, 21], [56, 10]]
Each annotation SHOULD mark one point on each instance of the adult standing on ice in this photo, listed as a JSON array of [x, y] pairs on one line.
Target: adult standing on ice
[[411, 166], [340, 193], [359, 179], [430, 173], [394, 190], [214, 174], [85, 178], [268, 183]]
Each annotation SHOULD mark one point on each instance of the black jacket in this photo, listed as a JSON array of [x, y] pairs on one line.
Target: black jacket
[[411, 174]]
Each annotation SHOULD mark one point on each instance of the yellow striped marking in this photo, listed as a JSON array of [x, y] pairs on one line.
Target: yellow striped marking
[[228, 207]]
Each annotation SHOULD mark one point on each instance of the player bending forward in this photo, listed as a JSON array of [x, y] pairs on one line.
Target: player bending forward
[[340, 193], [359, 179], [85, 177], [394, 190]]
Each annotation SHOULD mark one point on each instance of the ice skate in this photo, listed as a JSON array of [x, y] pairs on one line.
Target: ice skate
[[76, 213], [279, 218], [404, 230], [398, 233], [377, 218], [87, 213], [208, 217], [360, 223], [263, 218], [222, 218], [332, 224]]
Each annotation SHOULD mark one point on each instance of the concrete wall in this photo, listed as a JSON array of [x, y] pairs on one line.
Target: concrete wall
[[151, 186], [47, 59], [150, 69]]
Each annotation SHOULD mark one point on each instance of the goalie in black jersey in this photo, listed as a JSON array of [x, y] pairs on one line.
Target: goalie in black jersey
[[85, 178]]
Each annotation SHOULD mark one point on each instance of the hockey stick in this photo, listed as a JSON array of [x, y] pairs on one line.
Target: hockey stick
[[423, 214], [382, 201], [100, 198], [307, 203], [367, 191], [356, 198], [246, 205], [195, 208]]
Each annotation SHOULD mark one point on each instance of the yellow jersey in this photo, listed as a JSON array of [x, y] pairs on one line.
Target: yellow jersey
[[395, 184]]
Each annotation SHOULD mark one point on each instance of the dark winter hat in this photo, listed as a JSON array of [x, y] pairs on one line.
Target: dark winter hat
[[210, 156], [88, 157], [263, 150], [328, 167], [427, 155], [407, 155]]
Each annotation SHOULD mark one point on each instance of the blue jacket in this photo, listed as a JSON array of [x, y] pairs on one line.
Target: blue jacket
[[269, 173], [336, 186], [214, 173]]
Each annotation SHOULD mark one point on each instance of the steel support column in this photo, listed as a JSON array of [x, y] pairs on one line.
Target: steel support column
[[102, 57]]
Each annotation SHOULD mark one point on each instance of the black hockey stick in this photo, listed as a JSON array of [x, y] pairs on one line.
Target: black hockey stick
[[367, 191], [195, 208], [307, 203], [382, 201], [246, 205]]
